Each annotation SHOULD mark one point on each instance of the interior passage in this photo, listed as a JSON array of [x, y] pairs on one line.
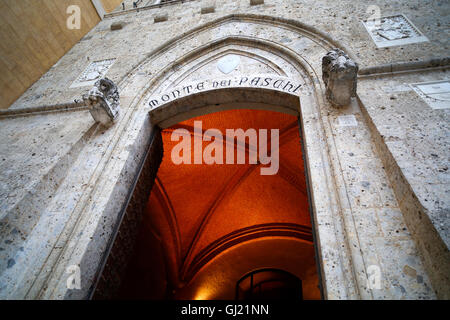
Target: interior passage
[[208, 226]]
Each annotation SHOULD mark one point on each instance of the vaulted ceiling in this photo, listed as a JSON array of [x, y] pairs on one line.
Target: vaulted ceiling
[[202, 209]]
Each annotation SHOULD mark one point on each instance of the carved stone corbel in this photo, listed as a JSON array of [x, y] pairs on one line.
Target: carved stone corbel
[[339, 75], [103, 101]]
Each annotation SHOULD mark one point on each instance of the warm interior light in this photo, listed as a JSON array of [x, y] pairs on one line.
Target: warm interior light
[[202, 294], [198, 212]]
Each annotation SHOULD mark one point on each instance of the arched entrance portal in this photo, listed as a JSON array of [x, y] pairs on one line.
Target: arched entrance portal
[[207, 225], [270, 77]]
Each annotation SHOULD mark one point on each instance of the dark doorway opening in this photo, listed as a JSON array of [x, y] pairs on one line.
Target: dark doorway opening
[[198, 213], [269, 284]]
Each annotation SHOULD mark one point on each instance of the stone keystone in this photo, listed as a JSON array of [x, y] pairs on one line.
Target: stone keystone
[[339, 74], [103, 101]]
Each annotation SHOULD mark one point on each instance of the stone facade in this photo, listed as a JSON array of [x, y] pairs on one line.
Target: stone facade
[[377, 166]]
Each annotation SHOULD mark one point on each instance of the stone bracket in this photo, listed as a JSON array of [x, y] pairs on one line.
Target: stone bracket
[[339, 75], [103, 101]]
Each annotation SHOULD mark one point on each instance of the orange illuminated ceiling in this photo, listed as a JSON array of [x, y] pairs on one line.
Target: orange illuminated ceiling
[[199, 211]]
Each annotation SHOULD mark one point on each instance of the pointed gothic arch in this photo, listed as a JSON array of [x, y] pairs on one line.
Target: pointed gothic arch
[[135, 133], [307, 103]]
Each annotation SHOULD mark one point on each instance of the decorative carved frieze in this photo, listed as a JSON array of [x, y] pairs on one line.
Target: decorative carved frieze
[[95, 71], [339, 75], [393, 31], [103, 101]]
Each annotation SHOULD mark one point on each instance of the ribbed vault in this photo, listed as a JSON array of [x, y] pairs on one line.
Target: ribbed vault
[[199, 211]]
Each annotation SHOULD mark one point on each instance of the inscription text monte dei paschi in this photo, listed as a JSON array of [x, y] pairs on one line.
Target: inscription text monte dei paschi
[[274, 83]]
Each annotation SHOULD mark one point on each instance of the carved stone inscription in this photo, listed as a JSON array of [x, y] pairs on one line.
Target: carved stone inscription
[[267, 82]]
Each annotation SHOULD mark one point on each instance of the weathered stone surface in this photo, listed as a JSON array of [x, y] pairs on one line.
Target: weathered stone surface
[[339, 75], [103, 101], [393, 31], [409, 135], [93, 72], [77, 180]]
